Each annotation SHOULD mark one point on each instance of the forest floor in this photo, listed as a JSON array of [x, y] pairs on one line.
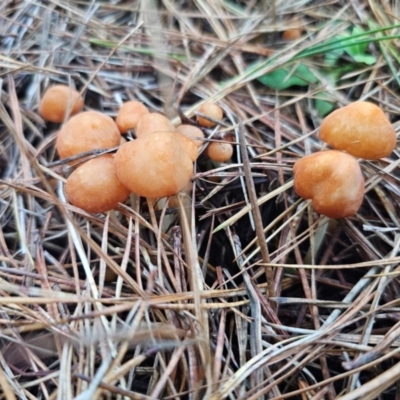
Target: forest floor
[[241, 290]]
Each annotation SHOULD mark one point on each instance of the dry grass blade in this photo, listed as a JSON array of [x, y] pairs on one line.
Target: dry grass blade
[[256, 212]]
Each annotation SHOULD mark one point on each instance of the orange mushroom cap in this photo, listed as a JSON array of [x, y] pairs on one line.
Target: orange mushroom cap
[[292, 34], [361, 129], [220, 151], [94, 186], [129, 115], [154, 122], [59, 102], [155, 165], [192, 132], [211, 110], [87, 131], [333, 180]]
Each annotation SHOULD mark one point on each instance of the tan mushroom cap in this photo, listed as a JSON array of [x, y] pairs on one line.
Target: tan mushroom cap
[[220, 151], [129, 115], [211, 110], [87, 131], [333, 180], [155, 165], [154, 122], [94, 186], [361, 129], [292, 34], [190, 146], [59, 102], [192, 132]]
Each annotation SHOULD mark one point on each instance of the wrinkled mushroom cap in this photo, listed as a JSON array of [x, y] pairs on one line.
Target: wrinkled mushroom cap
[[155, 165], [361, 129], [87, 131], [129, 115], [59, 102], [333, 180], [94, 186]]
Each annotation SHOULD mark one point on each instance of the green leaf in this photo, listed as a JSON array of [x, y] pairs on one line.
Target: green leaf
[[334, 74], [356, 49], [332, 57], [351, 43], [284, 78], [368, 59], [324, 107]]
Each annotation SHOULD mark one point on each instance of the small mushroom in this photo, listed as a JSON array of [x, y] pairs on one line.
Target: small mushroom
[[220, 151], [87, 131], [59, 102], [157, 164], [210, 110], [333, 180], [361, 129], [94, 186], [154, 122], [129, 115], [192, 132], [291, 34]]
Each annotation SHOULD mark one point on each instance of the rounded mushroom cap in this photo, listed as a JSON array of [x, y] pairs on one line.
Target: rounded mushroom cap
[[192, 132], [291, 34], [333, 180], [87, 131], [59, 102], [190, 146], [361, 129], [154, 122], [155, 165], [94, 186], [219, 151], [129, 115], [211, 110]]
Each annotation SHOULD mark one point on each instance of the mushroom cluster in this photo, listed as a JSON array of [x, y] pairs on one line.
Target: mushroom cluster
[[332, 179], [158, 163]]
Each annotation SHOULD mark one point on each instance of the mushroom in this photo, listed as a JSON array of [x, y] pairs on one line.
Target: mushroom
[[220, 151], [361, 129], [291, 34], [129, 115], [154, 122], [157, 164], [210, 110], [87, 131], [333, 180], [59, 102], [94, 186], [192, 132]]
